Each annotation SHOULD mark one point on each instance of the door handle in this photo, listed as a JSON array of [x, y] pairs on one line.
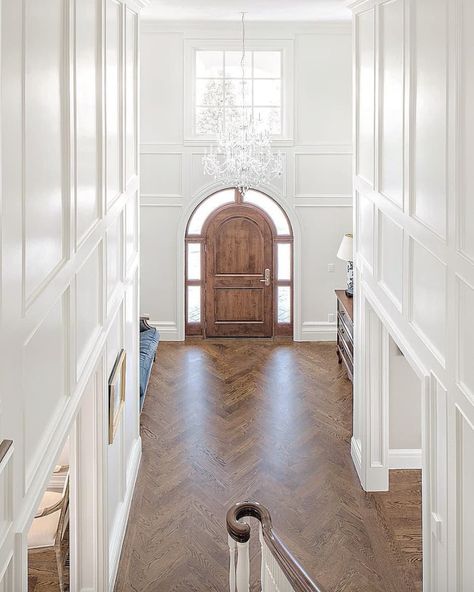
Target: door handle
[[266, 275]]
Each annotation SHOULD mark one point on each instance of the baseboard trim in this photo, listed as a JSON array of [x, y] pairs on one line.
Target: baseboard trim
[[405, 458], [118, 533], [356, 454], [322, 331], [168, 330], [310, 331]]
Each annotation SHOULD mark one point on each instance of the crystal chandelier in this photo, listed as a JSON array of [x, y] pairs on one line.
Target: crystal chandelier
[[243, 157]]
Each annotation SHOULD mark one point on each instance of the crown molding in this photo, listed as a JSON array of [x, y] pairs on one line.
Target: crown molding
[[255, 30]]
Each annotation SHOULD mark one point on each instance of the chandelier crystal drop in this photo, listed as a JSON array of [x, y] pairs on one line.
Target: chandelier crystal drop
[[243, 156]]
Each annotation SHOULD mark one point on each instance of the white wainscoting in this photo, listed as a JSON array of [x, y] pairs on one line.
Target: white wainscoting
[[414, 252], [69, 270]]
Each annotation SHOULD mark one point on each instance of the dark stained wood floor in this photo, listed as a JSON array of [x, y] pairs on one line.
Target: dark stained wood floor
[[229, 420]]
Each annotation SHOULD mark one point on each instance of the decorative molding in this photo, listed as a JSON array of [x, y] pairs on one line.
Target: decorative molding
[[256, 30], [318, 331], [405, 458], [168, 330], [161, 205]]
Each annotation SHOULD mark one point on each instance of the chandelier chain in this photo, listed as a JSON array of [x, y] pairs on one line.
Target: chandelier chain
[[243, 157]]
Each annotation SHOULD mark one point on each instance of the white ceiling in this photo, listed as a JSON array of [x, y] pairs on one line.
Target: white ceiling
[[258, 10]]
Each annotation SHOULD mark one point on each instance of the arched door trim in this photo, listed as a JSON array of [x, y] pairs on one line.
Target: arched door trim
[[179, 329]]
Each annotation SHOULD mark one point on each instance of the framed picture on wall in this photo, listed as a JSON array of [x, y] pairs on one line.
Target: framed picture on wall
[[116, 394]]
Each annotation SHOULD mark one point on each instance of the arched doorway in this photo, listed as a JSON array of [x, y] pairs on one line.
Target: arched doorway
[[239, 267]]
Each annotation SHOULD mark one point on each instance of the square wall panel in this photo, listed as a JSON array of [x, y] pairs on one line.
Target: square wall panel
[[323, 175], [428, 298], [391, 258], [392, 100], [464, 338], [161, 174]]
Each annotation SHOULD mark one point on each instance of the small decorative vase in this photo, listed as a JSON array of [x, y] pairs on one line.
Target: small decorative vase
[[350, 279]]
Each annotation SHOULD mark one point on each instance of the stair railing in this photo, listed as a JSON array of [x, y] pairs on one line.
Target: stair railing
[[280, 571]]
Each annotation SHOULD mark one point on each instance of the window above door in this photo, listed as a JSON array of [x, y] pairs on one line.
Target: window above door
[[214, 92]]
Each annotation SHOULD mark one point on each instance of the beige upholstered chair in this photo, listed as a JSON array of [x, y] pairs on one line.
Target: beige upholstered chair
[[50, 524]]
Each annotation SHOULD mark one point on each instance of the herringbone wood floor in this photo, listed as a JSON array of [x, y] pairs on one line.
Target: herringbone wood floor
[[230, 420]]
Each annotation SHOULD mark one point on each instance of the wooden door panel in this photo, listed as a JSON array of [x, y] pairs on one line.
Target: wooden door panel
[[239, 248], [239, 305]]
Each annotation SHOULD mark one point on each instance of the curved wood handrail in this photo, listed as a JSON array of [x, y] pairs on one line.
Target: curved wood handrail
[[240, 532]]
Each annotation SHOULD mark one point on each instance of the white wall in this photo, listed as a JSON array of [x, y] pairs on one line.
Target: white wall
[[315, 189], [415, 257], [405, 394], [69, 265]]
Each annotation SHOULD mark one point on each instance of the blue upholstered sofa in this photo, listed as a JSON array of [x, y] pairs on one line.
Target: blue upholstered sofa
[[149, 338]]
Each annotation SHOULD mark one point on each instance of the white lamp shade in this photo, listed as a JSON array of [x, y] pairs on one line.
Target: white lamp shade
[[345, 250]]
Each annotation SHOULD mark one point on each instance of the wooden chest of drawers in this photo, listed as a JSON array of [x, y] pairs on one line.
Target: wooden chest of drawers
[[345, 332]]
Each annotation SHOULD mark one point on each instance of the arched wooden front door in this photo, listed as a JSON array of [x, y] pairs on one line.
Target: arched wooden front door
[[239, 274], [239, 267]]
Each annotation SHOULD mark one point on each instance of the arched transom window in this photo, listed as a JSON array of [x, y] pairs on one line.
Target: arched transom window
[[282, 272]]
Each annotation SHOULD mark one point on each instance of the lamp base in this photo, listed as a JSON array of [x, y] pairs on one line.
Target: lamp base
[[350, 279]]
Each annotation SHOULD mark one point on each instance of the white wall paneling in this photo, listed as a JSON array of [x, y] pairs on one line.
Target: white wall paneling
[[465, 510], [365, 229], [162, 174], [465, 210], [44, 362], [314, 189], [69, 271], [365, 95], [428, 301], [322, 116], [45, 179], [6, 576], [390, 258], [323, 175], [162, 114], [114, 98], [392, 89], [414, 252], [429, 199], [88, 195]]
